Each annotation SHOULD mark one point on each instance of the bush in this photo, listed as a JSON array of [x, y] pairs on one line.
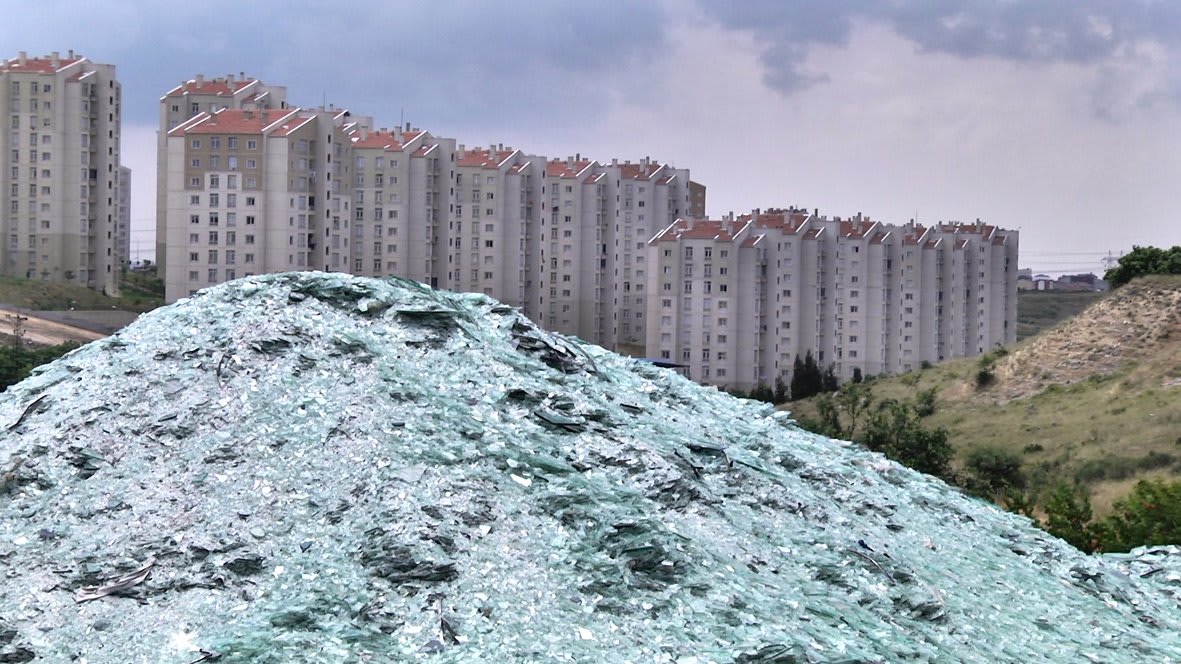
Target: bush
[[984, 378], [16, 362], [992, 471]]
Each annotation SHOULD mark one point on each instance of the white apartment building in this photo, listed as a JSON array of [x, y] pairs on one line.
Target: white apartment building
[[737, 300], [495, 241], [252, 191], [403, 192], [59, 185], [186, 101], [594, 237]]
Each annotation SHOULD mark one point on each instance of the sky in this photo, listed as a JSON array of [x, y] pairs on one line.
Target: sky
[[1060, 119]]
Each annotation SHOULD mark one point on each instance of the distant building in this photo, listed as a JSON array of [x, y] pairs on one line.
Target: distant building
[[123, 226], [252, 185], [696, 200], [738, 299], [59, 189]]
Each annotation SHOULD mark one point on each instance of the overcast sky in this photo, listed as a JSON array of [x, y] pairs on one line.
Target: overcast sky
[[1058, 118]]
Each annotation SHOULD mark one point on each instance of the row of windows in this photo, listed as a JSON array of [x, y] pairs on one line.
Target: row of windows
[[231, 143]]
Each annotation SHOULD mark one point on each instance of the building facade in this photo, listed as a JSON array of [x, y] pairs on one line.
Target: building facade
[[60, 185], [737, 300], [186, 101]]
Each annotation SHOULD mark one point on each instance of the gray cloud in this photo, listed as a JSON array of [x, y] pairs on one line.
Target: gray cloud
[[1077, 31], [446, 61]]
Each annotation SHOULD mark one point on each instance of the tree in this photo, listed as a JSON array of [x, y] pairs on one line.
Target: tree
[[1068, 516], [829, 382], [842, 411], [781, 393], [1149, 515], [806, 377], [1142, 261], [895, 431], [992, 472]]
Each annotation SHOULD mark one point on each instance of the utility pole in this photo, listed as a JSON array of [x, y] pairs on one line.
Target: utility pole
[[18, 327]]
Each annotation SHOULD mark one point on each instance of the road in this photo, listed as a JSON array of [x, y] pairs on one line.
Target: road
[[42, 331]]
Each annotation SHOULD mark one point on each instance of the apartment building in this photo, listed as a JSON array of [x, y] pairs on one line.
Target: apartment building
[[252, 191], [737, 300], [59, 185], [495, 243], [189, 99], [403, 193]]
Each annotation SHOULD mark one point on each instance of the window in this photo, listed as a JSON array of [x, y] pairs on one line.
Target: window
[[214, 182], [232, 142]]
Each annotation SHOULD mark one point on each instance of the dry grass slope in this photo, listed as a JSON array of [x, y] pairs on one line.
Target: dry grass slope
[[1095, 399]]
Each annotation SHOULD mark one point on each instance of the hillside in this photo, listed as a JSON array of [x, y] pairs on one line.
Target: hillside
[[1038, 311], [1095, 399], [45, 295]]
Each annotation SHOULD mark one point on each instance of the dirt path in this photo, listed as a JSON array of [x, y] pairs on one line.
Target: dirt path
[[41, 331]]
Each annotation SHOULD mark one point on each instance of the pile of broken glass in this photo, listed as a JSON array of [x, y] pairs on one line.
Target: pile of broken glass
[[317, 467]]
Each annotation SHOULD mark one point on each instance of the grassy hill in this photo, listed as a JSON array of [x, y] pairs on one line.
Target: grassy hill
[[139, 295], [1095, 399], [1040, 310]]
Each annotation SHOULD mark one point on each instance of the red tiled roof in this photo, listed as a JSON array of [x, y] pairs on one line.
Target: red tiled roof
[[484, 158], [812, 233], [288, 128], [702, 229], [856, 229], [377, 139], [231, 121], [879, 238], [217, 87], [37, 65], [557, 168], [787, 221], [638, 171]]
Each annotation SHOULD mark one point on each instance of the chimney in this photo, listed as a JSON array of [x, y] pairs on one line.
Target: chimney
[[71, 54], [614, 161], [407, 126], [230, 79], [22, 57], [200, 80], [54, 60]]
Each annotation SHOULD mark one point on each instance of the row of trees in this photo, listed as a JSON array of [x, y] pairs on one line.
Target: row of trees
[[807, 380]]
